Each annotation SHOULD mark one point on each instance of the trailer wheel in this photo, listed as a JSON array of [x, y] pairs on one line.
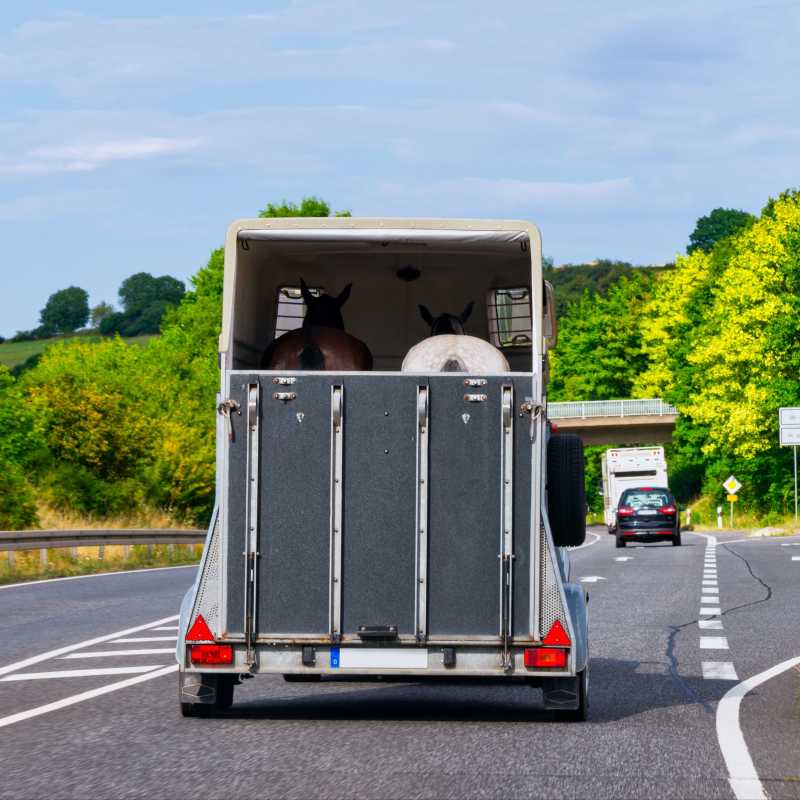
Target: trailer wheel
[[205, 685], [566, 493], [620, 542]]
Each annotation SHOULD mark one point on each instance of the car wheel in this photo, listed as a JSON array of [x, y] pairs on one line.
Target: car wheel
[[566, 493], [620, 542], [676, 540]]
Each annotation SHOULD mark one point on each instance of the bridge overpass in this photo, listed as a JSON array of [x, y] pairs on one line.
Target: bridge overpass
[[616, 421]]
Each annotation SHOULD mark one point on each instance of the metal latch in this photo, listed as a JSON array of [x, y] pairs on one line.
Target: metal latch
[[474, 398], [475, 381], [281, 381], [226, 408], [529, 407], [285, 396]]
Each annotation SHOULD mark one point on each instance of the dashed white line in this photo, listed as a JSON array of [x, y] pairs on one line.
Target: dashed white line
[[145, 651], [719, 671], [742, 773], [795, 558], [79, 698], [714, 643], [78, 673], [623, 558], [27, 662], [709, 582], [705, 611], [710, 590], [710, 624]]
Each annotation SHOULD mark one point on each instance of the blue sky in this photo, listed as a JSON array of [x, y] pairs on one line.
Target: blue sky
[[132, 134]]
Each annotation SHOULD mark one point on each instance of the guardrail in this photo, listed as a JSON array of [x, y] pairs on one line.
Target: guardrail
[[610, 408], [11, 541]]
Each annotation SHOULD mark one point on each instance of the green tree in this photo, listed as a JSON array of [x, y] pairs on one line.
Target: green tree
[[100, 312], [716, 226], [599, 353], [66, 310], [144, 299], [309, 207]]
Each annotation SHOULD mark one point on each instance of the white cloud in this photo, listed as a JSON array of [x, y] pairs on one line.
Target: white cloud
[[91, 156]]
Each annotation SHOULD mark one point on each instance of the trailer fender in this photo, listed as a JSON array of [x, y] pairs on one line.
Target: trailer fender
[[576, 605]]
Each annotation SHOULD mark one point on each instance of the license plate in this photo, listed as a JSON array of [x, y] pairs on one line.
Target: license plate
[[648, 512], [379, 658]]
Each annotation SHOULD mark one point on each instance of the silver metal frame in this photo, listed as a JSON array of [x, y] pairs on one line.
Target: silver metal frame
[[421, 516], [336, 473], [251, 553], [507, 521]]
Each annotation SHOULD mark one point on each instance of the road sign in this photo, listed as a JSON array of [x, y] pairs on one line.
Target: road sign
[[789, 416], [790, 435], [732, 498], [731, 485]]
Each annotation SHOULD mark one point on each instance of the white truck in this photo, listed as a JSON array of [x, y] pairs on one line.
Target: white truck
[[383, 521], [628, 467]]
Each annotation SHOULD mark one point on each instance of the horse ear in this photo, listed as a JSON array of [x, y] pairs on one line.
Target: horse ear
[[426, 315], [466, 312], [307, 296], [344, 295]]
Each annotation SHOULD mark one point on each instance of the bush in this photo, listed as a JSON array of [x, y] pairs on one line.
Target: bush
[[17, 506]]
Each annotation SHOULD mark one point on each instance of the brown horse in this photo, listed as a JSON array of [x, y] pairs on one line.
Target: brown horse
[[321, 344]]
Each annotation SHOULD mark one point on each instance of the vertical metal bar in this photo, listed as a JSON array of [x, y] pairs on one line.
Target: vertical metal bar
[[421, 516], [538, 467], [337, 477], [251, 534], [794, 449], [101, 552], [11, 557], [43, 558], [507, 521]]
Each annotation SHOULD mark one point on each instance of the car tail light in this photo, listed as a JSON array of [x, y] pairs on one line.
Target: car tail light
[[211, 654], [624, 511], [545, 657], [670, 509]]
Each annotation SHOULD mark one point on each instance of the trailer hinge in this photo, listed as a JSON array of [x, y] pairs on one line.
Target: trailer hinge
[[226, 408]]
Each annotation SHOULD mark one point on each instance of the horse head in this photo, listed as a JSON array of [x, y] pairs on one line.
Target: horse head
[[446, 323], [324, 311]]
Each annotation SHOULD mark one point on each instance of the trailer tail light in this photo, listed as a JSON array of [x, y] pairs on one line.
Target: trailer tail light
[[213, 654], [624, 511], [670, 509], [545, 657], [557, 635], [199, 632]]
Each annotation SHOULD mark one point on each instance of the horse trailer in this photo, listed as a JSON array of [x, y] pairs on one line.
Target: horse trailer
[[394, 521]]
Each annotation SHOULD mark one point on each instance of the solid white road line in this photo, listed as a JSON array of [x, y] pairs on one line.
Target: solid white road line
[[26, 662], [719, 671], [795, 558], [140, 639], [742, 773], [705, 611], [710, 624], [165, 628], [145, 651], [78, 673], [95, 575], [586, 544], [79, 698], [713, 643]]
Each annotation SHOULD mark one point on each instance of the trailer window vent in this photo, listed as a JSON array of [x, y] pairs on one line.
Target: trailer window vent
[[509, 313], [291, 309]]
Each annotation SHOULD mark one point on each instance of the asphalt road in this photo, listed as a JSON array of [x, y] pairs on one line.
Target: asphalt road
[[651, 733]]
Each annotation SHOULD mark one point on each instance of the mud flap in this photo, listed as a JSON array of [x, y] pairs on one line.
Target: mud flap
[[198, 688]]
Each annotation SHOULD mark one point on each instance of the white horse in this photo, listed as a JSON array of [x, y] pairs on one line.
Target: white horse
[[450, 349]]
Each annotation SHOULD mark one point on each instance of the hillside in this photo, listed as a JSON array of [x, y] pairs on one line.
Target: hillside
[[14, 353]]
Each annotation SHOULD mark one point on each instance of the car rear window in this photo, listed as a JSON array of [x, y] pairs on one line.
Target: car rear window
[[645, 498]]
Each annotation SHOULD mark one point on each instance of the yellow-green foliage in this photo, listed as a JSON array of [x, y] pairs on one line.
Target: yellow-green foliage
[[740, 362]]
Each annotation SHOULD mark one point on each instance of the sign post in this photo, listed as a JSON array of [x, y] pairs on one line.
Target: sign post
[[731, 486], [789, 419]]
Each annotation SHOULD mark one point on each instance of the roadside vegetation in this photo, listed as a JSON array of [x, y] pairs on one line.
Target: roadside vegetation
[[104, 428]]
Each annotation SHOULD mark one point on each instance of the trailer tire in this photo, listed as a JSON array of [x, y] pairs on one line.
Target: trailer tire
[[620, 542], [566, 492]]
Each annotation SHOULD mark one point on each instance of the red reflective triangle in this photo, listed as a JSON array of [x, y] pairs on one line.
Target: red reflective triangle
[[199, 632], [556, 635]]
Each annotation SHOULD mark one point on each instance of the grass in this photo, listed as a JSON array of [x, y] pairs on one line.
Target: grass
[[14, 353], [63, 562]]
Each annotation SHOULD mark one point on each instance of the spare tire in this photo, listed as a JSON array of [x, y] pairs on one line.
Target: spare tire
[[566, 493]]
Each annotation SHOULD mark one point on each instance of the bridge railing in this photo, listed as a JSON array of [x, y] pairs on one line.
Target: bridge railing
[[610, 408]]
